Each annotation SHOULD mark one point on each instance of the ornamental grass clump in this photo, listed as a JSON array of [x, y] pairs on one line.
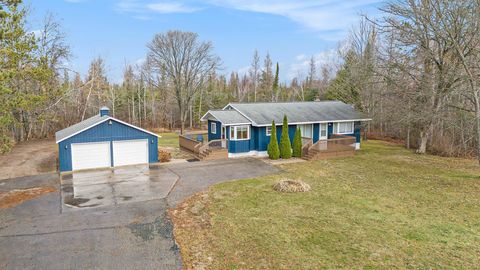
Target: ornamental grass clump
[[290, 186]]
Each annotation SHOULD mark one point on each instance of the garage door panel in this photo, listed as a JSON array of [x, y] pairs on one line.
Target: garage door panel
[[90, 155], [130, 152]]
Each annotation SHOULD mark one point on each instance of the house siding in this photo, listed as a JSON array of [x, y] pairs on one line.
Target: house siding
[[105, 132], [218, 134], [259, 140]]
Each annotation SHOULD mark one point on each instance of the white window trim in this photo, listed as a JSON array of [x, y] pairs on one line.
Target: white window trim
[[320, 130], [234, 128], [213, 128], [311, 130], [337, 127], [268, 134]]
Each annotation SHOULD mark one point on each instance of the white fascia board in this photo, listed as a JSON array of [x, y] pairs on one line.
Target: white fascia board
[[252, 122], [319, 122], [203, 119], [82, 130], [135, 127], [237, 124], [107, 119]]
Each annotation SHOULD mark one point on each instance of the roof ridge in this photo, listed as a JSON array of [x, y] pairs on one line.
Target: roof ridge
[[285, 102]]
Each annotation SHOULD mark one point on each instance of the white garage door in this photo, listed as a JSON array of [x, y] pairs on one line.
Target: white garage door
[[90, 155], [130, 152]]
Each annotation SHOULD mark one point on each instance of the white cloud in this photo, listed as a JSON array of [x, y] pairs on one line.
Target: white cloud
[[174, 7], [301, 65], [151, 7], [331, 17], [243, 70]]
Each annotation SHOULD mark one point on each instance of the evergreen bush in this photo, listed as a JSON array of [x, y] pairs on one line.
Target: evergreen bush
[[297, 143], [285, 145], [272, 149]]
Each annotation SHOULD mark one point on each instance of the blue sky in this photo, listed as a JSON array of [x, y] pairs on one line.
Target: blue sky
[[291, 31]]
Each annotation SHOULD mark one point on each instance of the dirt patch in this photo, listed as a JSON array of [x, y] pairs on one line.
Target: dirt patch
[[192, 215], [29, 158], [287, 185], [18, 196]]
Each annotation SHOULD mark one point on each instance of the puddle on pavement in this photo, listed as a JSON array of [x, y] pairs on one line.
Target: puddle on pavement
[[113, 187]]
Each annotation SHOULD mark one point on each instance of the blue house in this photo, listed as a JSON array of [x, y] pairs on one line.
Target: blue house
[[103, 141], [246, 127]]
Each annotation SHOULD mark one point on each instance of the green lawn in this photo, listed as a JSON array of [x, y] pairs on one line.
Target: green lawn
[[168, 139], [169, 142], [384, 208]]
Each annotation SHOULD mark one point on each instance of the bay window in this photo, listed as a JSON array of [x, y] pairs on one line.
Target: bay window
[[238, 133]]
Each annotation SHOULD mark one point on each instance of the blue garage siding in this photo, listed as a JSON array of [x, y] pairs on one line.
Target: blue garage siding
[[106, 132], [218, 133]]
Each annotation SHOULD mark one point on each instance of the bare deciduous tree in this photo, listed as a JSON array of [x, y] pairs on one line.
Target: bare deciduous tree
[[187, 63]]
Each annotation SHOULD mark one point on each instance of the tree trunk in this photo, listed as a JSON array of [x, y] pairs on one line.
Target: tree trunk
[[477, 120]]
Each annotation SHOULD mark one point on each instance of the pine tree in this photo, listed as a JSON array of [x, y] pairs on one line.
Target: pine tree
[[297, 143], [285, 146], [275, 93], [273, 150]]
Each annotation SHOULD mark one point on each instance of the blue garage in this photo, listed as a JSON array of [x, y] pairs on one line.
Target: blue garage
[[103, 141]]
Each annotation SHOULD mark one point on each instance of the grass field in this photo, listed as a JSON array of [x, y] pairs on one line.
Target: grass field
[[384, 208], [168, 139], [169, 142]]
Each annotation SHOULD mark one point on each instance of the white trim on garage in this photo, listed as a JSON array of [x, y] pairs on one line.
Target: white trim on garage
[[108, 119]]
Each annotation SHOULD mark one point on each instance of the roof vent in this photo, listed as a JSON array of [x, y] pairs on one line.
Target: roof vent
[[104, 111]]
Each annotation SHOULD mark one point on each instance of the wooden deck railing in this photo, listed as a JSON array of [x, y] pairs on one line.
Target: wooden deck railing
[[337, 143], [188, 143], [213, 144], [306, 144], [198, 143]]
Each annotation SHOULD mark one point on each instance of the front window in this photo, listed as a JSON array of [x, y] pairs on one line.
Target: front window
[[323, 130], [268, 131], [343, 128], [239, 133], [306, 131], [213, 128]]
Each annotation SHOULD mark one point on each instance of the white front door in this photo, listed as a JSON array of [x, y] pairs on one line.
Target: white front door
[[90, 155], [323, 131], [130, 152], [224, 132]]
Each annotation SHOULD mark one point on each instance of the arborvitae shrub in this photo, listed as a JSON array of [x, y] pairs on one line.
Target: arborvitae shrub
[[272, 150]]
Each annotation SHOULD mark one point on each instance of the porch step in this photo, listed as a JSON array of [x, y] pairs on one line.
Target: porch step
[[210, 154]]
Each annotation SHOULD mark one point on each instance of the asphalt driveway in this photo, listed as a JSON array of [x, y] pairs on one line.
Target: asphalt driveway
[[120, 228]]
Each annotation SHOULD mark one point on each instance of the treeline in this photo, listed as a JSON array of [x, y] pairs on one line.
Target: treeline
[[415, 71]]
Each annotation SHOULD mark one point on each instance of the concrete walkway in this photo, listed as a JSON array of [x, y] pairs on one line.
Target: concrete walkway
[[125, 234]]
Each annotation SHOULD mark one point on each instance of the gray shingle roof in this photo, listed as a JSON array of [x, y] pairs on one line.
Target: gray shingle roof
[[298, 112], [228, 117], [64, 133]]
